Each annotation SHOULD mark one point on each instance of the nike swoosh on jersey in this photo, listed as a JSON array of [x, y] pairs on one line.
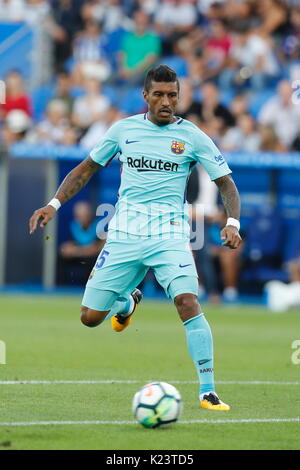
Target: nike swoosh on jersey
[[184, 265], [203, 362], [131, 141]]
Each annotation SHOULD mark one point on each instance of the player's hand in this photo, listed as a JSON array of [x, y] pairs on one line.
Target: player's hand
[[42, 216], [231, 236]]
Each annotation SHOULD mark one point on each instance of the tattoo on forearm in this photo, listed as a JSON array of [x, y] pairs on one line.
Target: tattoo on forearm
[[70, 186], [230, 196], [76, 180]]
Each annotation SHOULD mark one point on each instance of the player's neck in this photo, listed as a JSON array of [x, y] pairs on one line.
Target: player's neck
[[151, 118]]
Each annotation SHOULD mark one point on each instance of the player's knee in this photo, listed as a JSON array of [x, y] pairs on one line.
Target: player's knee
[[91, 317], [187, 306]]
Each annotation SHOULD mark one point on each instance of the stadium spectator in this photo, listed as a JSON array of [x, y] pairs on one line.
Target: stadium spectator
[[243, 136], [213, 116], [251, 59], [108, 13], [273, 17], [16, 125], [51, 130], [12, 10], [90, 107], [238, 106], [187, 104], [174, 19], [89, 54], [149, 6], [204, 6], [77, 255], [98, 129], [66, 21], [33, 12], [71, 136], [217, 11], [239, 11], [269, 141], [215, 51], [140, 49], [36, 12], [205, 50], [291, 41], [16, 96], [63, 90], [281, 113]]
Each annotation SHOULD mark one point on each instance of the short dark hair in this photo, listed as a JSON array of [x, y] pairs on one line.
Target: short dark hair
[[162, 73]]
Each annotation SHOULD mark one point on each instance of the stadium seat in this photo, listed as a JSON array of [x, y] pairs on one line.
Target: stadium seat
[[177, 63], [132, 101], [263, 248], [77, 91], [111, 93], [113, 46]]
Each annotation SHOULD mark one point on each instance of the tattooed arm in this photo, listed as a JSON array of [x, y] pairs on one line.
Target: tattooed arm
[[71, 185], [232, 204], [76, 180]]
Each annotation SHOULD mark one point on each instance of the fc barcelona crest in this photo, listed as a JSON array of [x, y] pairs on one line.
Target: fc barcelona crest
[[177, 147]]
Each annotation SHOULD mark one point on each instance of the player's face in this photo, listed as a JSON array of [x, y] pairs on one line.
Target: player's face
[[162, 99]]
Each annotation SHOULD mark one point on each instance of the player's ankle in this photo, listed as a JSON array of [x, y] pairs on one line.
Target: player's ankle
[[129, 307]]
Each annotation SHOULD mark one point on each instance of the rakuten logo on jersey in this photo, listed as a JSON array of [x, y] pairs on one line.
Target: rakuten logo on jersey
[[144, 164]]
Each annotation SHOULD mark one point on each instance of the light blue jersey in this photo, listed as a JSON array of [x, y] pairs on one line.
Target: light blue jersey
[[156, 164]]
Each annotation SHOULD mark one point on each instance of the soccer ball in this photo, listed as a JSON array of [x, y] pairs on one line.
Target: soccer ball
[[157, 404]]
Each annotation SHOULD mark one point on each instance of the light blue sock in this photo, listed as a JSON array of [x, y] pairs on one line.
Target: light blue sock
[[200, 346], [119, 306]]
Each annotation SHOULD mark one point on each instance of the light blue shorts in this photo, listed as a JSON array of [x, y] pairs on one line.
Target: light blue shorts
[[123, 263]]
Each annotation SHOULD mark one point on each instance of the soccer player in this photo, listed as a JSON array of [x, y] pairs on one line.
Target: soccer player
[[157, 151]]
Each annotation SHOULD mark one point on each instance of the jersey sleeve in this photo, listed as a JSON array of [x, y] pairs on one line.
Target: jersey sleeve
[[210, 157], [108, 146]]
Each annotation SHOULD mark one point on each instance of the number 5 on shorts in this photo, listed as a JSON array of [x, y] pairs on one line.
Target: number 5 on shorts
[[101, 259]]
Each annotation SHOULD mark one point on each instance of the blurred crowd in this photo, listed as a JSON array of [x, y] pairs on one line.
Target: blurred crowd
[[238, 62], [239, 68]]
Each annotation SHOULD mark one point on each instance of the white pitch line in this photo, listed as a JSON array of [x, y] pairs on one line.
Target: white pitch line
[[117, 381], [53, 382], [121, 423]]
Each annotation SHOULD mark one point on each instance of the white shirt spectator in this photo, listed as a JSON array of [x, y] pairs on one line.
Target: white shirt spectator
[[149, 6], [204, 5], [51, 130], [86, 109], [109, 14], [36, 11], [284, 119], [30, 11], [176, 15], [234, 139], [255, 48], [94, 135], [12, 10], [50, 133]]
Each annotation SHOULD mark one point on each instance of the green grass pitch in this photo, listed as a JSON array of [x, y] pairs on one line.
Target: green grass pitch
[[46, 341]]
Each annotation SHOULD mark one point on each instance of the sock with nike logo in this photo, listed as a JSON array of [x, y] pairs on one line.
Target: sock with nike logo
[[200, 346]]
